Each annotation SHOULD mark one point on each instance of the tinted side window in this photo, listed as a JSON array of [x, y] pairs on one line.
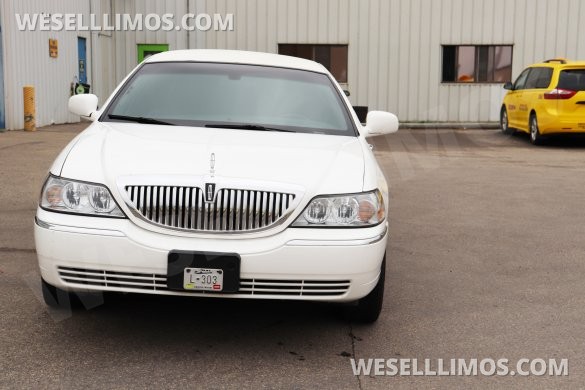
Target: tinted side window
[[521, 80], [544, 78], [573, 79], [539, 78], [531, 79]]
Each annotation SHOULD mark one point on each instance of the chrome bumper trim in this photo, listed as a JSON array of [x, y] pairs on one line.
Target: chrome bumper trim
[[79, 230], [365, 241]]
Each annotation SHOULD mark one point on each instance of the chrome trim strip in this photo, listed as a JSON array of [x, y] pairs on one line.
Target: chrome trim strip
[[78, 230], [365, 241]]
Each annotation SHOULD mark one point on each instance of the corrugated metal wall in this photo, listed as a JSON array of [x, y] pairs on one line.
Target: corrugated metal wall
[[102, 52], [27, 62], [127, 42], [394, 46]]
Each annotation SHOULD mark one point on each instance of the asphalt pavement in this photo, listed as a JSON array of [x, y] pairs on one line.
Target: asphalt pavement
[[485, 260]]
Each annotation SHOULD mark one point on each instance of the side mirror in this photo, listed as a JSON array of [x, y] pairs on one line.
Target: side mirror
[[84, 105], [380, 122], [509, 86]]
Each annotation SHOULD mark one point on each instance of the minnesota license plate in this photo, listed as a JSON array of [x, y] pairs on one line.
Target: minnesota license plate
[[203, 271], [207, 279]]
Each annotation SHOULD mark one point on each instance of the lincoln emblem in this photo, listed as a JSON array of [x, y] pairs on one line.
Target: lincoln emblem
[[209, 192]]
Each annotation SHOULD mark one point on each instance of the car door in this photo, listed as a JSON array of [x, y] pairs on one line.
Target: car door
[[532, 96], [536, 86], [514, 99]]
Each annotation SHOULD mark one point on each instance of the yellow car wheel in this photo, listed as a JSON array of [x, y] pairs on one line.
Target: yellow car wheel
[[504, 122], [535, 137]]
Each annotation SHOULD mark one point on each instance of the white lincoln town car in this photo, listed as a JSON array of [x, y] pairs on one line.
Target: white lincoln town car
[[215, 173]]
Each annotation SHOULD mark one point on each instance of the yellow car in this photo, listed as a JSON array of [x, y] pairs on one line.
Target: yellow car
[[547, 98]]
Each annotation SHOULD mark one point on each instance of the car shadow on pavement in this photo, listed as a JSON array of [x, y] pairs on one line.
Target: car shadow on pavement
[[561, 141], [199, 322]]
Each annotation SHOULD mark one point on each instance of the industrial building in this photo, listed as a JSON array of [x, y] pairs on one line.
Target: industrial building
[[425, 60]]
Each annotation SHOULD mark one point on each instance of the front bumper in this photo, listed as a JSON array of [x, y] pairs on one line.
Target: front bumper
[[102, 254]]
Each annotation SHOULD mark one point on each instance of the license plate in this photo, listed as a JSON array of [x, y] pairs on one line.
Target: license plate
[[203, 271], [207, 279]]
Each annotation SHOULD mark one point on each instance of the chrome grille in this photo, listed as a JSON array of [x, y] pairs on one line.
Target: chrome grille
[[232, 210], [157, 282]]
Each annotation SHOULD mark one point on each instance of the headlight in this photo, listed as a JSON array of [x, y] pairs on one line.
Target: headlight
[[351, 210], [70, 196]]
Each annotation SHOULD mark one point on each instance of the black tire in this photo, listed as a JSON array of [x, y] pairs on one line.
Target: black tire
[[368, 308], [61, 299], [55, 297], [535, 137], [505, 123]]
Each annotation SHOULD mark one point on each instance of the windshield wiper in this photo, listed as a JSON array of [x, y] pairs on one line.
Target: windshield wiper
[[139, 119], [244, 126]]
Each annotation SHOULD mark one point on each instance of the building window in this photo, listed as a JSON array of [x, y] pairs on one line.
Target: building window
[[147, 50], [333, 57], [477, 64]]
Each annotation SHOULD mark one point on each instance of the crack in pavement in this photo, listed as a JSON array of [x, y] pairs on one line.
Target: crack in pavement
[[352, 336]]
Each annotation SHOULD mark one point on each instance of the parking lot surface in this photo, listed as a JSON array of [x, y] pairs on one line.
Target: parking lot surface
[[485, 260]]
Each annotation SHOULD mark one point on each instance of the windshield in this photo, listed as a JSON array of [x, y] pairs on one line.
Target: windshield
[[238, 96]]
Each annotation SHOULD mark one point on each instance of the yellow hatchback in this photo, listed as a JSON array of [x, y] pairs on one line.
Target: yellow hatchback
[[547, 98]]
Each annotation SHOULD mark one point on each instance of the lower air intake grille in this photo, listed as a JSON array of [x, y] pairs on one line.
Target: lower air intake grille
[[157, 282], [294, 287], [113, 279]]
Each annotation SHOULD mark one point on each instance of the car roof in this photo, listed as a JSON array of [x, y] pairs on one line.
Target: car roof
[[558, 62], [237, 57]]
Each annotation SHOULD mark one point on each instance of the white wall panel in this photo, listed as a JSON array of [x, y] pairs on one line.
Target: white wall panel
[[27, 62], [126, 42]]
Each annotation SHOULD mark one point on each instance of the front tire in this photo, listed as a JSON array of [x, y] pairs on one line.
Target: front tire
[[55, 297], [505, 122], [368, 308], [535, 137], [61, 299]]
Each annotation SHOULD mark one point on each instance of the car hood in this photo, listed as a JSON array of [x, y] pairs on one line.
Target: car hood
[[319, 164]]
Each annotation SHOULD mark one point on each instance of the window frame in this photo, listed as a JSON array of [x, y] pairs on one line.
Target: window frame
[[314, 56], [477, 67]]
